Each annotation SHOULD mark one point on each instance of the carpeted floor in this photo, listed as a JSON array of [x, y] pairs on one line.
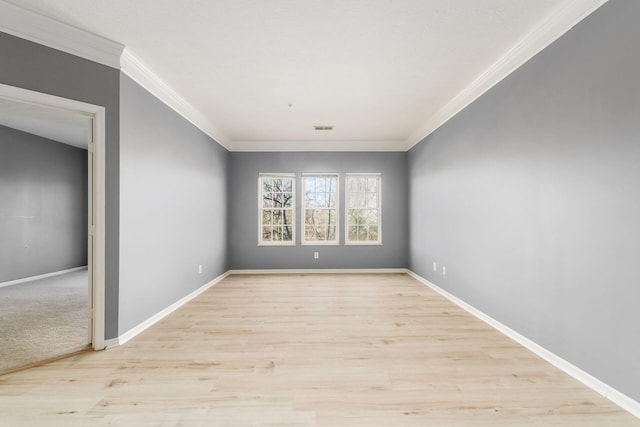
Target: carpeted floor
[[43, 319]]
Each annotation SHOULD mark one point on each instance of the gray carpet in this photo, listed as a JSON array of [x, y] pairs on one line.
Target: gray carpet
[[43, 319]]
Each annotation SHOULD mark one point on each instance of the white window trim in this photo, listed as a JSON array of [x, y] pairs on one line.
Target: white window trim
[[305, 242], [348, 242], [293, 207]]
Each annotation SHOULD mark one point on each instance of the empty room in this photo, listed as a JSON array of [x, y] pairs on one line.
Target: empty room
[[336, 213]]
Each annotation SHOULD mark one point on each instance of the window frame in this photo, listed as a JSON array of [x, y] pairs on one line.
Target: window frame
[[347, 241], [303, 215], [293, 178]]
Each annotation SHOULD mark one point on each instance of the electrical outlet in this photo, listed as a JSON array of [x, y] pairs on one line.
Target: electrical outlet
[[444, 270], [316, 255], [200, 269], [435, 266]]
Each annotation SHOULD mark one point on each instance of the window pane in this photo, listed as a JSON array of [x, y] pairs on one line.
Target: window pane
[[373, 233], [371, 200], [361, 200], [332, 233], [318, 223], [322, 217], [287, 200], [351, 216], [288, 217], [372, 217], [308, 217], [309, 185], [287, 233], [267, 200], [327, 185], [310, 200], [277, 219], [363, 233], [363, 204], [363, 216], [353, 233], [362, 185], [357, 216], [267, 217], [333, 216], [266, 233], [320, 201]]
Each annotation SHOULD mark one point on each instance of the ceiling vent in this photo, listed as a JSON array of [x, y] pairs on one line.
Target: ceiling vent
[[323, 127]]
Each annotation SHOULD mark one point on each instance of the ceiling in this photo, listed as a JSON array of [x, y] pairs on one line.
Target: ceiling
[[56, 124], [383, 73]]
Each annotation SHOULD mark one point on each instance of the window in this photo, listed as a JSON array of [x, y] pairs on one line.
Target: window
[[276, 198], [320, 209], [363, 209]]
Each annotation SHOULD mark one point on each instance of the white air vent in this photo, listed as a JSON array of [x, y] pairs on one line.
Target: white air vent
[[323, 127]]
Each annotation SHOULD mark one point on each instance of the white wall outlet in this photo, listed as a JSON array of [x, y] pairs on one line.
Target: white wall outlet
[[200, 269], [444, 270], [316, 255], [435, 266]]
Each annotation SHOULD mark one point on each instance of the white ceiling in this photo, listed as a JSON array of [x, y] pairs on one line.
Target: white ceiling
[[265, 72]]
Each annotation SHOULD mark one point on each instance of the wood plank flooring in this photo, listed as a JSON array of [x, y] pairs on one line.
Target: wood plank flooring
[[307, 350]]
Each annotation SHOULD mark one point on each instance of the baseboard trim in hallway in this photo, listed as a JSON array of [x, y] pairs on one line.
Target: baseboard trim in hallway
[[41, 276], [590, 381]]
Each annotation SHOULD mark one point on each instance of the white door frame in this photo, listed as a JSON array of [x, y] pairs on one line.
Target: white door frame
[[96, 224]]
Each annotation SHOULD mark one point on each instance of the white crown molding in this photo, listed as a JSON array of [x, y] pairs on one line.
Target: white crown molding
[[49, 32], [587, 379], [133, 67], [562, 20], [46, 31], [312, 145]]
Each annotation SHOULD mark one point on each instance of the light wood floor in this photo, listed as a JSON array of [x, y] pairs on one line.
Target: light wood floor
[[330, 350]]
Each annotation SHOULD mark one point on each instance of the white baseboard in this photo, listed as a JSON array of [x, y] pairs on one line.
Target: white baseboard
[[590, 381], [41, 276], [111, 343], [324, 271], [114, 342]]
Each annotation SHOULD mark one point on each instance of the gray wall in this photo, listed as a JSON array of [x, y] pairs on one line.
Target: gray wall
[[530, 198], [36, 67], [173, 201], [43, 205], [243, 215]]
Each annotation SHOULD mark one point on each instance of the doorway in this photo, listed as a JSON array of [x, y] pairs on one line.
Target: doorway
[[52, 118]]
